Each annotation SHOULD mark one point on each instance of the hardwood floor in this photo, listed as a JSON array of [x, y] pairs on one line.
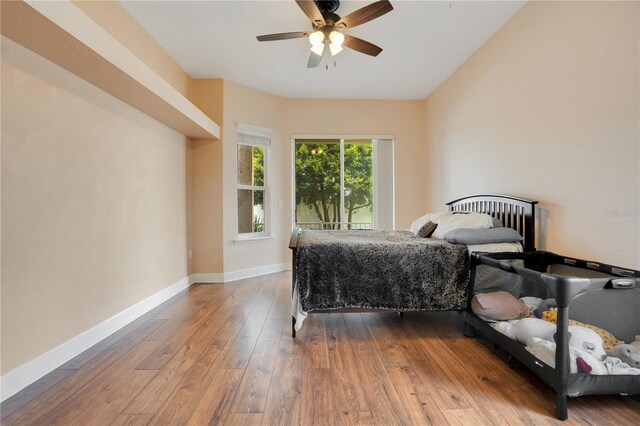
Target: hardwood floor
[[223, 354]]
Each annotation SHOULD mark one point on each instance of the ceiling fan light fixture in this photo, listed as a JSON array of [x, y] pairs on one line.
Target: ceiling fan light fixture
[[337, 38], [318, 49], [335, 49], [316, 38], [327, 27]]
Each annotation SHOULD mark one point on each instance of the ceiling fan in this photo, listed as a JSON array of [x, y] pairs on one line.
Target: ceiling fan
[[328, 26]]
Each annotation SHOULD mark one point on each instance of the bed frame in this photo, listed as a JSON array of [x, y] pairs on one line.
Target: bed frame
[[515, 213]]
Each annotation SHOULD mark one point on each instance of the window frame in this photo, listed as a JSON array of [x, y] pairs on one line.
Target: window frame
[[250, 135], [390, 173]]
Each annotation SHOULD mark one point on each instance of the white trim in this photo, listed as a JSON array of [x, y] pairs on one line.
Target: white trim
[[20, 377], [202, 278], [253, 187], [254, 272], [250, 238], [215, 278], [341, 136]]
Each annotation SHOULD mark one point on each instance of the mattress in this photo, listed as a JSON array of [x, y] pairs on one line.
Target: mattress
[[300, 315]]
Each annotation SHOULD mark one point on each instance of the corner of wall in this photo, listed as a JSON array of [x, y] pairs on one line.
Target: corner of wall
[[207, 182]]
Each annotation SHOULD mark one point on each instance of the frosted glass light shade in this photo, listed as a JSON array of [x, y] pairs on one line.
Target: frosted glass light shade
[[318, 49], [316, 38], [336, 38]]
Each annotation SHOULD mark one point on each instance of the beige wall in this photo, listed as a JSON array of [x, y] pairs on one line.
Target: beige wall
[[549, 109], [250, 106], [286, 117], [207, 190], [93, 206], [402, 119], [115, 19], [189, 184]]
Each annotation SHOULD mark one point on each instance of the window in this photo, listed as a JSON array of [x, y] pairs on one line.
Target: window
[[253, 147], [342, 183]]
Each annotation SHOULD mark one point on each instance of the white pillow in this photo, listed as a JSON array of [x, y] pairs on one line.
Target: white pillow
[[429, 217], [463, 220]]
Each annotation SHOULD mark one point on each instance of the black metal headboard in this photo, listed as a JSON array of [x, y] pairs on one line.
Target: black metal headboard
[[515, 213]]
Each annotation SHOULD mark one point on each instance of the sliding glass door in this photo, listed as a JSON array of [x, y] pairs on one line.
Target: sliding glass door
[[334, 183], [357, 185], [317, 190]]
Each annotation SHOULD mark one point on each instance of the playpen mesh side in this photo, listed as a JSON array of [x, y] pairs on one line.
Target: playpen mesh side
[[615, 310]]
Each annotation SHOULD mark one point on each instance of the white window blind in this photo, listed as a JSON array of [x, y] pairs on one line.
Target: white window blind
[[249, 134], [383, 193]]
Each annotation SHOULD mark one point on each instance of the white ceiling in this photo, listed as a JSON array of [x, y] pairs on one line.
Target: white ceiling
[[424, 42]]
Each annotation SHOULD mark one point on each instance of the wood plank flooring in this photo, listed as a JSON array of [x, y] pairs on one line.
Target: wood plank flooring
[[223, 354]]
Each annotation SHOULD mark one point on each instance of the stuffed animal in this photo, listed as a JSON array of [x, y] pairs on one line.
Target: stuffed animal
[[545, 305], [580, 337], [586, 348], [608, 339], [627, 353], [636, 343], [587, 340], [527, 328], [580, 361]]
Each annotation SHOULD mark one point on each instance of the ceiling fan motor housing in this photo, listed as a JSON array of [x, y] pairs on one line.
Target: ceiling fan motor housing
[[330, 20], [327, 5]]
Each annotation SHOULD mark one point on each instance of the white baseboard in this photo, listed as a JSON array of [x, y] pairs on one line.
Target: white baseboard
[[206, 278], [20, 377], [239, 275], [254, 272]]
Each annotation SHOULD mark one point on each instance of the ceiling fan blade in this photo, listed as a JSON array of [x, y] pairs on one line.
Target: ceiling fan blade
[[365, 14], [283, 36], [314, 60], [311, 10], [362, 46]]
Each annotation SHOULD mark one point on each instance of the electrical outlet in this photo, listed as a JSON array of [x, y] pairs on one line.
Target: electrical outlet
[[279, 204], [190, 254]]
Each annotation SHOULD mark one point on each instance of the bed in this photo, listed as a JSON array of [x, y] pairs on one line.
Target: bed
[[593, 293], [349, 271]]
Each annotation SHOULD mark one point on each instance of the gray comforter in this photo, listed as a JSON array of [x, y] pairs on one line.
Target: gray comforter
[[380, 269]]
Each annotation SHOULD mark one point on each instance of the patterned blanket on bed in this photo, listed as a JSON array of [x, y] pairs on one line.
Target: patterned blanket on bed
[[380, 269]]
